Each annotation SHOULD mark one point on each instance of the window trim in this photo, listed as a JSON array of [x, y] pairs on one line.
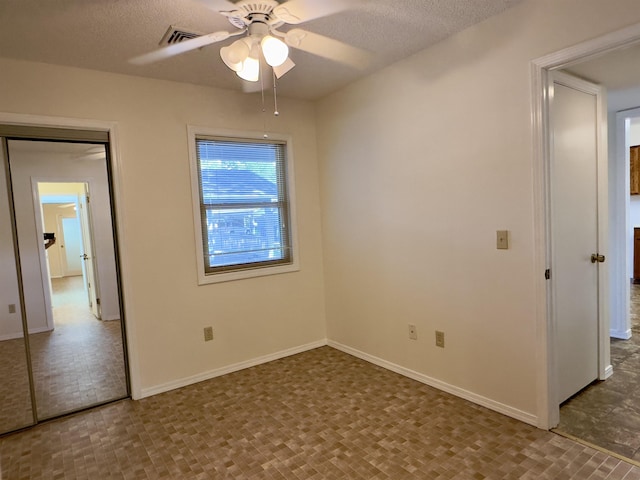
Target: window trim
[[205, 278]]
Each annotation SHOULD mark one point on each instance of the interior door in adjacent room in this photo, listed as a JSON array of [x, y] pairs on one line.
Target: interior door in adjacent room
[[578, 215]]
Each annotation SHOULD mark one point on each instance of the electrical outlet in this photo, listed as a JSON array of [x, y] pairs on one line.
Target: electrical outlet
[[413, 332], [208, 334], [12, 308], [439, 339]]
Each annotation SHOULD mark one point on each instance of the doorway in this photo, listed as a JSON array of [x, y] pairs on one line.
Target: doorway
[[605, 413], [66, 217], [66, 330], [616, 311]]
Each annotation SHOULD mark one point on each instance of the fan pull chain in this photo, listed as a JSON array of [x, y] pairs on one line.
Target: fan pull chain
[[264, 110], [275, 95]]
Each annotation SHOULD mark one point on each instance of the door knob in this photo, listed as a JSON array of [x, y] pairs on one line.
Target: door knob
[[597, 258]]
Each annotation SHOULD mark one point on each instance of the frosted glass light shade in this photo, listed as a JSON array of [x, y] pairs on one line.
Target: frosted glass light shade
[[235, 54], [250, 70], [275, 51]]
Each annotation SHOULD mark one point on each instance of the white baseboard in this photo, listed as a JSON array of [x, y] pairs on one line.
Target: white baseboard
[[13, 336], [183, 382], [525, 417], [608, 372], [621, 334]]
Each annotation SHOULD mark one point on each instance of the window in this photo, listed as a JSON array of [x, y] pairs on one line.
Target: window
[[243, 206]]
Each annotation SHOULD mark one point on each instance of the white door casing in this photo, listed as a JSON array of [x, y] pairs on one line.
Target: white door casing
[[622, 233], [89, 268]]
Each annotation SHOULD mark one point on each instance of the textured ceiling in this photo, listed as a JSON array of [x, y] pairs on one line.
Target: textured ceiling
[[616, 70], [105, 34]]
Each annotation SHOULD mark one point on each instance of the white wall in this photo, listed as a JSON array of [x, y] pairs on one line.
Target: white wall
[[410, 211], [166, 309], [10, 323]]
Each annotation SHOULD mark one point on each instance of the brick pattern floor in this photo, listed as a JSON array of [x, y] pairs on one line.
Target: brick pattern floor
[[607, 413], [80, 363], [15, 392], [321, 414]]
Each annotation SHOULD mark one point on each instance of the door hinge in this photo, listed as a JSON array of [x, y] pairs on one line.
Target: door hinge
[[88, 199], [547, 274], [97, 301]]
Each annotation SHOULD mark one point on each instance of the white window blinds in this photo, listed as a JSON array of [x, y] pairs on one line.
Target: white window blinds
[[244, 206]]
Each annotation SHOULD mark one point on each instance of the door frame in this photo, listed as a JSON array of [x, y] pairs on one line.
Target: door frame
[[90, 270], [548, 409], [86, 238], [117, 182], [620, 318]]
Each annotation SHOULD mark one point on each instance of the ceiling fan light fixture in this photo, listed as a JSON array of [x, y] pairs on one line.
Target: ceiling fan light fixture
[[235, 55], [250, 70], [275, 51]]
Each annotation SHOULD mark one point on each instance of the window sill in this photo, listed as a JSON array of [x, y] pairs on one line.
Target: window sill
[[245, 274]]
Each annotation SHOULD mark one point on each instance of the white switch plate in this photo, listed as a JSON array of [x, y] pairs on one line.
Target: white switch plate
[[413, 332], [502, 239]]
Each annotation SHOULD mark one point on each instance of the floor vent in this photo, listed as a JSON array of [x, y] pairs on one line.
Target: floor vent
[[176, 35]]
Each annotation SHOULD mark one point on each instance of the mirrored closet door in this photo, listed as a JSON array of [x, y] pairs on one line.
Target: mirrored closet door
[[59, 208]]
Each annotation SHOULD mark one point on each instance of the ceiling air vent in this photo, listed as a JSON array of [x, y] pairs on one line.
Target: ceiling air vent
[[177, 35]]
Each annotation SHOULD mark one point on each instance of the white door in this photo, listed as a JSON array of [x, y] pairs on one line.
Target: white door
[[575, 111], [88, 255], [72, 242]]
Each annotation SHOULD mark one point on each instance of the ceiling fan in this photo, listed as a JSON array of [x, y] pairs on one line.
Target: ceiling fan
[[257, 22]]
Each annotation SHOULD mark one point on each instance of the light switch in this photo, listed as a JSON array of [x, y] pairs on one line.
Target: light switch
[[502, 239], [12, 308]]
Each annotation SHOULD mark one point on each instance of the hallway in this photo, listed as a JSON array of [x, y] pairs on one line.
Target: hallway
[[607, 413]]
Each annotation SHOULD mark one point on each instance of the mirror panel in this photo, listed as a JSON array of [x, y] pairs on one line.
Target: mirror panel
[[69, 273], [16, 409]]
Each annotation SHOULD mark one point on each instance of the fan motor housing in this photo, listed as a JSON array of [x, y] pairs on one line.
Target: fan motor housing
[[248, 12]]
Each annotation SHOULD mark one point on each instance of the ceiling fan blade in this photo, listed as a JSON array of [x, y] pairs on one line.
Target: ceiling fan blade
[[328, 48], [298, 11], [178, 48], [284, 68]]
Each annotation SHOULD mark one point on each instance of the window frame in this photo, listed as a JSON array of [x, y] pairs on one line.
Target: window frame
[[250, 270]]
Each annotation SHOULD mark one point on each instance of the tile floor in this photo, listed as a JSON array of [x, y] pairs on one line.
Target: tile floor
[[321, 414], [607, 413], [15, 393], [81, 362], [78, 364]]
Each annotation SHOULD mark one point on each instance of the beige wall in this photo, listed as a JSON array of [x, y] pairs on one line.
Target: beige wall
[[10, 323], [166, 308], [420, 164]]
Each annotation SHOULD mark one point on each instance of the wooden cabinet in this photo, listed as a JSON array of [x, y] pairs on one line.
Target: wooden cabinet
[[634, 160]]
